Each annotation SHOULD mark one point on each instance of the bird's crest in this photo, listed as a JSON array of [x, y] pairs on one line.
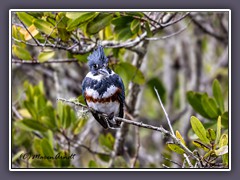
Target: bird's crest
[[97, 56]]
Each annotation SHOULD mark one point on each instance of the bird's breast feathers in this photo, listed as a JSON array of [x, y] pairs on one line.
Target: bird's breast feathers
[[102, 93]]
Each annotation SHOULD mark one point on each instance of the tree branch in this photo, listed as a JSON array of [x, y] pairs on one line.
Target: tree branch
[[142, 125], [207, 31], [168, 120], [18, 61]]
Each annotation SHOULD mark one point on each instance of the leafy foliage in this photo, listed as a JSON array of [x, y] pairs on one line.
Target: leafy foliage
[[208, 107]]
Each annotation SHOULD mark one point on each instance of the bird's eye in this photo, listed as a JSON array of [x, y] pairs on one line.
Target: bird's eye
[[95, 66]]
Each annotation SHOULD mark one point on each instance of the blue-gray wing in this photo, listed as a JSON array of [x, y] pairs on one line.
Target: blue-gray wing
[[119, 83]]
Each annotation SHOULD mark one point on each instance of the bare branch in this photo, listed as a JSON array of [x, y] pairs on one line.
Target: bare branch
[[205, 30], [176, 21], [187, 160], [52, 31], [142, 125], [72, 102], [16, 112], [170, 35], [171, 161], [168, 120], [76, 144], [45, 62]]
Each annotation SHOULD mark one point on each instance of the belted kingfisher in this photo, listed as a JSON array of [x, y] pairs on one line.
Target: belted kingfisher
[[103, 90]]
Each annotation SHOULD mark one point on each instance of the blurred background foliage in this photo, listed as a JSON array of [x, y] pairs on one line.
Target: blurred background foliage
[[184, 55]]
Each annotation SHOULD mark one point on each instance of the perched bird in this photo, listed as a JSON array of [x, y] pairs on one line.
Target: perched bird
[[103, 90]]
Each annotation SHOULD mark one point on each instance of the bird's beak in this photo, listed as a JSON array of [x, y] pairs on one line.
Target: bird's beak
[[103, 71]]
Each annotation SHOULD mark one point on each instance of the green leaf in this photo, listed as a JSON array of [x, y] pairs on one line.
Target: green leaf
[[224, 118], [104, 157], [223, 140], [37, 146], [122, 21], [17, 156], [194, 100], [47, 148], [81, 18], [45, 55], [125, 69], [36, 14], [92, 164], [217, 93], [122, 27], [222, 150], [80, 99], [179, 136], [219, 126], [124, 34], [139, 14], [50, 138], [32, 125], [74, 15], [158, 84], [42, 163], [107, 141], [135, 26], [225, 159], [108, 33], [77, 129], [149, 32], [209, 106], [64, 34], [211, 135], [63, 159], [199, 129], [175, 148], [82, 58], [66, 115], [201, 145], [21, 53], [62, 25], [45, 27], [99, 23], [25, 18]]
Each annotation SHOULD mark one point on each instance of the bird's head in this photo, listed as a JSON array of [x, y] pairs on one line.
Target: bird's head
[[98, 62]]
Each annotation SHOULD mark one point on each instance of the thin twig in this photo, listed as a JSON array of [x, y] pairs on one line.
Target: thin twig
[[67, 139], [171, 161], [165, 166], [206, 30], [150, 19], [168, 120], [16, 112], [170, 35], [177, 20], [187, 160], [75, 144], [18, 61], [72, 102], [52, 31]]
